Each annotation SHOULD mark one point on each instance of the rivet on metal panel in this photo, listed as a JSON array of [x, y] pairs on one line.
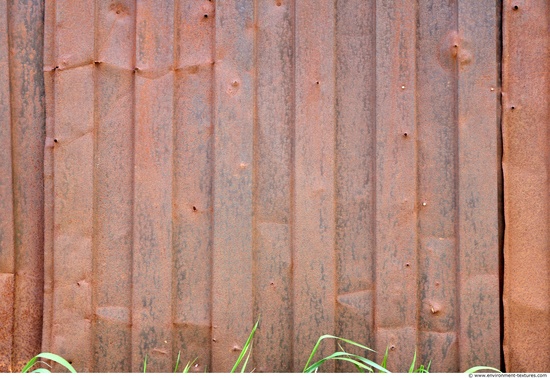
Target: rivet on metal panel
[[454, 50], [205, 16], [214, 340], [492, 89], [317, 83], [515, 7], [55, 140], [405, 135], [512, 107], [119, 9], [392, 347], [424, 203], [402, 87], [407, 265]]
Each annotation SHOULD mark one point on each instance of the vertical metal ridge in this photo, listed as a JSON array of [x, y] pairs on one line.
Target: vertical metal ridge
[[292, 199], [478, 180], [214, 123], [13, 200], [95, 131], [50, 74], [314, 179], [417, 178], [456, 115], [334, 172], [501, 220], [173, 276], [254, 163], [26, 43], [436, 224], [133, 367], [396, 182], [374, 170]]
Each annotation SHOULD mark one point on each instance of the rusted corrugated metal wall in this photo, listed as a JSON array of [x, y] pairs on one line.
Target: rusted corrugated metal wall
[[329, 165], [21, 181], [526, 161]]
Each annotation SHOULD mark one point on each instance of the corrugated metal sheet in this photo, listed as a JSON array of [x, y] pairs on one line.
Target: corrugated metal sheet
[[526, 159], [330, 166], [21, 181]]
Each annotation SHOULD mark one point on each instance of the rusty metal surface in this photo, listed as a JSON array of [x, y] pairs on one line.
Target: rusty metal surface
[[21, 182], [330, 166], [526, 115]]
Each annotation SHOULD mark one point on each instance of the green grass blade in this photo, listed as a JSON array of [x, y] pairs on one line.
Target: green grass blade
[[145, 364], [411, 369], [245, 347], [333, 356], [478, 368], [362, 367], [177, 362], [373, 364], [50, 356], [246, 361], [384, 363], [41, 370], [188, 366], [29, 364], [362, 362], [316, 347]]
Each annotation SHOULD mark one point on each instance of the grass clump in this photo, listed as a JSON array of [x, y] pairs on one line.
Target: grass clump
[[362, 364]]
